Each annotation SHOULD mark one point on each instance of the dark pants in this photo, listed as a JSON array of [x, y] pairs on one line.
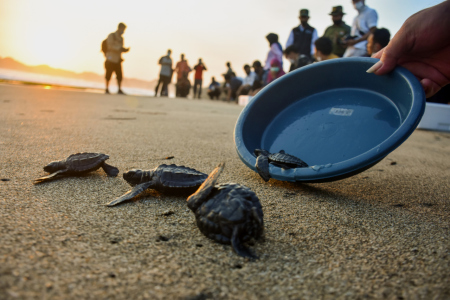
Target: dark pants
[[214, 94], [113, 68], [199, 83], [165, 80]]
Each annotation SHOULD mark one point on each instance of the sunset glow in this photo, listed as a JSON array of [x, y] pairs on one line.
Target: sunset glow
[[68, 35]]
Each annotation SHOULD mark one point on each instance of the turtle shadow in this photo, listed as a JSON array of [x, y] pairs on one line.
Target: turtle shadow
[[152, 194], [66, 177], [313, 189]]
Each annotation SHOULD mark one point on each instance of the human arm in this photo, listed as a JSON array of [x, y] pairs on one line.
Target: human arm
[[370, 21], [115, 43], [361, 38], [177, 67], [422, 45], [314, 37], [290, 40]]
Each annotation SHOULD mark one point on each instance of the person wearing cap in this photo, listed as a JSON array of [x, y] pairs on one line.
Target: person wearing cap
[[338, 31], [304, 36], [363, 25]]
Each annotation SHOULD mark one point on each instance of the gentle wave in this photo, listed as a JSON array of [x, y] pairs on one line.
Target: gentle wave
[[8, 74]]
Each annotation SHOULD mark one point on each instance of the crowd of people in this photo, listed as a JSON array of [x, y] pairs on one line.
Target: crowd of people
[[303, 47], [182, 69]]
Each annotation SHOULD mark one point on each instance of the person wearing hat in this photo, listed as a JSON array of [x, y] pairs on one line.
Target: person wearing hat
[[363, 25], [338, 31], [304, 36]]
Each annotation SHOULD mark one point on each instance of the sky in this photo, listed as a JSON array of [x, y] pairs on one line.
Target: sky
[[68, 34]]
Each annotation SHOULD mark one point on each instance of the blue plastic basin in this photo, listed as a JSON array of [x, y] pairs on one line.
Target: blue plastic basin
[[333, 115]]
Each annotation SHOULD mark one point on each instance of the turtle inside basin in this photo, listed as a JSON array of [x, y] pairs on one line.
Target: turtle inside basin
[[333, 115]]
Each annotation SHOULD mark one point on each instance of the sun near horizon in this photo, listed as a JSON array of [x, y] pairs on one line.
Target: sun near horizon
[[68, 35]]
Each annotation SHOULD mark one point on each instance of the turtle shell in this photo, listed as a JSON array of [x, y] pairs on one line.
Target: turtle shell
[[287, 160], [230, 205], [85, 162], [173, 176]]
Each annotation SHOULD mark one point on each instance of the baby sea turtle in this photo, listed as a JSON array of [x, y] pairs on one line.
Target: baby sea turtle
[[227, 213], [164, 178], [280, 159], [77, 164]]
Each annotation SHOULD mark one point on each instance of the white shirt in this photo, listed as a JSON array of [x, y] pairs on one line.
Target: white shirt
[[366, 19], [290, 40], [249, 79]]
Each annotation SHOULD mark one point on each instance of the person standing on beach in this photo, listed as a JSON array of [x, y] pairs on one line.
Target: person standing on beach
[[363, 25], [198, 77], [226, 85], [275, 51], [165, 74], [303, 37], [113, 63], [338, 31], [182, 68]]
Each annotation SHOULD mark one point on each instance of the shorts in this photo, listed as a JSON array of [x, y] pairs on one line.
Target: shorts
[[113, 67]]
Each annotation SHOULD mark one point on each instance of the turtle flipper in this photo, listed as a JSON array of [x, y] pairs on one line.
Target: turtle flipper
[[49, 177], [195, 200], [131, 194], [262, 166], [110, 170], [238, 247]]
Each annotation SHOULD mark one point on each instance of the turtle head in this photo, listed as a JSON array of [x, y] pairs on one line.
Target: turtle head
[[137, 176], [53, 167], [259, 152]]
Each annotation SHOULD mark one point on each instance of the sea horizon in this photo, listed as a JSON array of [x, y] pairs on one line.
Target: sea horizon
[[48, 81]]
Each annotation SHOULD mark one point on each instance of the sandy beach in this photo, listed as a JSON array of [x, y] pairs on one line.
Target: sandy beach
[[384, 233]]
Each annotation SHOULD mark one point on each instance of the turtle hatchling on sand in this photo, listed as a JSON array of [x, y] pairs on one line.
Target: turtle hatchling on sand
[[164, 178], [280, 159], [77, 164], [227, 213]]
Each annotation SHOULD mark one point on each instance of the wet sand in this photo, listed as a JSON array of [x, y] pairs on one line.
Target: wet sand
[[381, 234]]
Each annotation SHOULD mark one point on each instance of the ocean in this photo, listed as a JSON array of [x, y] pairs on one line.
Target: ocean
[[87, 86]]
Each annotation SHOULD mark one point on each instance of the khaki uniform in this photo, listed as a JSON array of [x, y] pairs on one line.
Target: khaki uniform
[[336, 33]]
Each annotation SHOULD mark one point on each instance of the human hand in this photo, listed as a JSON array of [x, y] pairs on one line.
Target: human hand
[[422, 45]]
